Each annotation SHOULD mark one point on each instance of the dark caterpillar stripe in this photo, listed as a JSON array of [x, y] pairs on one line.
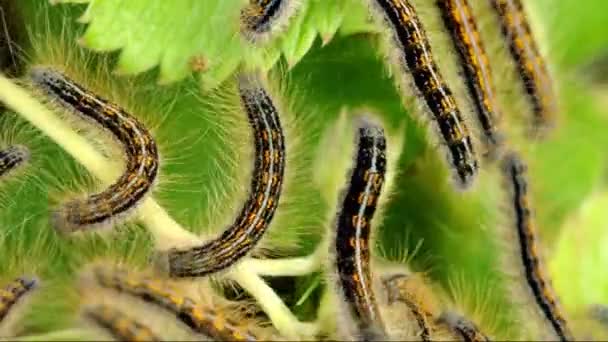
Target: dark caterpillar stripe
[[529, 61], [396, 288], [139, 147], [416, 56], [266, 182], [466, 329], [260, 13], [200, 318], [459, 21], [514, 171], [12, 157], [13, 292], [119, 325], [353, 229]]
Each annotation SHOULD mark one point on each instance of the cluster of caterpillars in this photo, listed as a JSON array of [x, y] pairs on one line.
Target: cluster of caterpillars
[[364, 295], [130, 189], [415, 61]]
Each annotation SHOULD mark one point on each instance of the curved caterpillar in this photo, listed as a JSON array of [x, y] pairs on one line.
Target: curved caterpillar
[[200, 318], [514, 172], [353, 229], [119, 325], [139, 147], [266, 183], [528, 59], [12, 157], [459, 21], [416, 57], [13, 292]]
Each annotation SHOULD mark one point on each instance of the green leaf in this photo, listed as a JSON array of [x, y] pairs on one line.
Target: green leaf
[[327, 18], [165, 33], [175, 35]]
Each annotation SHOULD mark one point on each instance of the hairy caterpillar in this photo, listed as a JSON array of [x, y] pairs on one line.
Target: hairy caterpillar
[[461, 24], [464, 328], [13, 292], [266, 182], [415, 56], [202, 319], [118, 324], [139, 147], [514, 172], [354, 226], [261, 17], [396, 287]]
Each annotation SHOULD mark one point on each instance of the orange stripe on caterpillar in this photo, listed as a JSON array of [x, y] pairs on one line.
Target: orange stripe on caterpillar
[[142, 160], [266, 183]]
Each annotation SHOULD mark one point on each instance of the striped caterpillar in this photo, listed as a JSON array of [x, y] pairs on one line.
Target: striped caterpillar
[[353, 229], [202, 319], [416, 58], [139, 148], [266, 183], [529, 61]]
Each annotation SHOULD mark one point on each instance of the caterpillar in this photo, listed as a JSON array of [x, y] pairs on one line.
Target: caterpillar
[[13, 292], [142, 161], [12, 157], [261, 17], [514, 172], [396, 287], [354, 225], [266, 183], [464, 328], [529, 61], [120, 326], [200, 318], [416, 57], [461, 24]]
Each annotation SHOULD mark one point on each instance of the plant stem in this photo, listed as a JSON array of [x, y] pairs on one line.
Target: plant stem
[[284, 267], [280, 315]]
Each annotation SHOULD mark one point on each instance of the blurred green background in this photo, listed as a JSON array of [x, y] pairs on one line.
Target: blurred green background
[[199, 133]]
